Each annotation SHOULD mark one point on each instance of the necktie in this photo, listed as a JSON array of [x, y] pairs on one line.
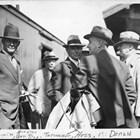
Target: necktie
[[14, 62], [17, 68]]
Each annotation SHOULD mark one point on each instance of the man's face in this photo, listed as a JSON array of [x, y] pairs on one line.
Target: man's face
[[93, 45], [50, 64], [74, 52], [10, 45], [123, 51]]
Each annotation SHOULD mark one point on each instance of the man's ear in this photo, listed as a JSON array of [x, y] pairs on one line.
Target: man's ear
[[18, 43], [2, 40], [100, 42]]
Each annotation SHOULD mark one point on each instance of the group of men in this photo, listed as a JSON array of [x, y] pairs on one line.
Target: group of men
[[101, 75], [94, 91]]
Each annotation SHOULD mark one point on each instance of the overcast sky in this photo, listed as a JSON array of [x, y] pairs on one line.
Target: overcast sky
[[65, 17]]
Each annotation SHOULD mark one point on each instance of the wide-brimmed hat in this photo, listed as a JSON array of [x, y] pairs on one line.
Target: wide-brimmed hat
[[49, 56], [128, 37], [102, 33], [11, 32], [73, 40]]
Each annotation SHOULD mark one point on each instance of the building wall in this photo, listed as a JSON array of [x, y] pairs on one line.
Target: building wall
[[29, 53]]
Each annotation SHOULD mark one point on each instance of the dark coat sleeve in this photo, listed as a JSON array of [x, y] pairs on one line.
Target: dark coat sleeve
[[54, 87]]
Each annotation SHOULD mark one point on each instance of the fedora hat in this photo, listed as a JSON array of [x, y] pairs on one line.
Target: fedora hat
[[102, 33], [128, 37], [73, 40], [49, 56], [11, 32]]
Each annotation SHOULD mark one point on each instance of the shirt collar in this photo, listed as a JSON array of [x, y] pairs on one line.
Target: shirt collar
[[74, 61], [9, 56]]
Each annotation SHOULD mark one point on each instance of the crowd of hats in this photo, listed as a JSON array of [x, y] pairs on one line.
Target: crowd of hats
[[12, 32], [49, 56]]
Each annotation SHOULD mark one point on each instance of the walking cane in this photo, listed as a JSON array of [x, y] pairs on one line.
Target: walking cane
[[41, 125]]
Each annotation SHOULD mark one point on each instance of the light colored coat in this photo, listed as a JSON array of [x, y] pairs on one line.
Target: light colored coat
[[9, 92], [40, 102], [133, 63]]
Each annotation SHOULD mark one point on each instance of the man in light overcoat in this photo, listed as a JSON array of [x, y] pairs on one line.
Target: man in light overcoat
[[39, 102], [127, 50]]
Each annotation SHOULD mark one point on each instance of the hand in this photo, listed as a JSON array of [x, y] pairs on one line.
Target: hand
[[58, 96], [38, 105], [39, 109]]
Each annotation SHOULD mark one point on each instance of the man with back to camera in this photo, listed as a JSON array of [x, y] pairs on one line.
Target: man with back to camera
[[108, 79]]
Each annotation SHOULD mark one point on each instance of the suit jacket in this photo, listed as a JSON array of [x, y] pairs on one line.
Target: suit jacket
[[110, 82], [60, 82], [133, 63], [9, 92]]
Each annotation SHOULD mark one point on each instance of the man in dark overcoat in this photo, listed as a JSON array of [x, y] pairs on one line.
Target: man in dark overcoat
[[109, 81], [60, 82]]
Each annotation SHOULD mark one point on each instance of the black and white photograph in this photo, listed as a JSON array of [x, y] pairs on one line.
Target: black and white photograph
[[69, 69]]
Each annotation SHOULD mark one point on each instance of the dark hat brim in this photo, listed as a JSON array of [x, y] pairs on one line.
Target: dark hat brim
[[78, 45], [50, 58], [110, 42], [133, 42], [14, 38]]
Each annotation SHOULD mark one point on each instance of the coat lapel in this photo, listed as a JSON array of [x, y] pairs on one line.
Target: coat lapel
[[71, 65], [9, 66]]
